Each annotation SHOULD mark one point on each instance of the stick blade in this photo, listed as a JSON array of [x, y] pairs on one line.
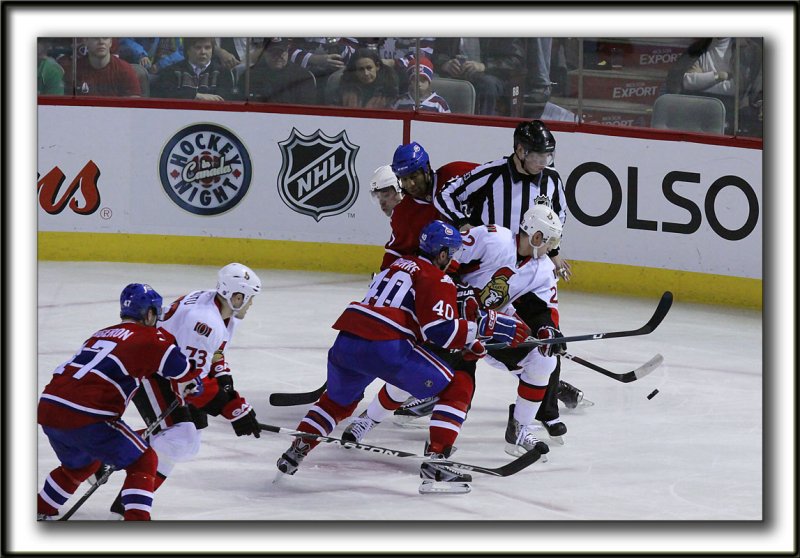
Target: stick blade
[[648, 367]]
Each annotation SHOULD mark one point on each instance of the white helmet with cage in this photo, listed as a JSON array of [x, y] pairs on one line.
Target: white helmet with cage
[[237, 278], [541, 218]]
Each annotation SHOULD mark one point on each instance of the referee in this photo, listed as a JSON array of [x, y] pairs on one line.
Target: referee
[[499, 193]]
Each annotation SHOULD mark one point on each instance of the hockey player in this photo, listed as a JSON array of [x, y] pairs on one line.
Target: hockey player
[[410, 302], [203, 323], [385, 189], [500, 193], [411, 165], [81, 409], [509, 268]]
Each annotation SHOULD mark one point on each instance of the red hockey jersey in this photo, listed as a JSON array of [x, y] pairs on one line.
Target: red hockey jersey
[[411, 214], [98, 382], [412, 299]]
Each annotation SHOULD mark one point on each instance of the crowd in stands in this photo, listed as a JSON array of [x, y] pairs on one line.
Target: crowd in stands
[[504, 76]]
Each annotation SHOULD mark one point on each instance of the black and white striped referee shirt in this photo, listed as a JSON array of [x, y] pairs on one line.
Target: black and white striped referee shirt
[[496, 193]]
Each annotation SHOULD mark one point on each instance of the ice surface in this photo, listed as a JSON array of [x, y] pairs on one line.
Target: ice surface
[[693, 452]]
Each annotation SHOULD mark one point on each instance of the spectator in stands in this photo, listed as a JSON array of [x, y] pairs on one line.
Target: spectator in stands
[[152, 54], [537, 85], [322, 55], [274, 80], [490, 64], [102, 74], [367, 82], [49, 73], [199, 76], [429, 100], [707, 68]]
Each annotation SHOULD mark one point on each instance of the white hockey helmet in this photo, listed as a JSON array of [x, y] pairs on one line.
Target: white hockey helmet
[[383, 178], [540, 218], [237, 278]]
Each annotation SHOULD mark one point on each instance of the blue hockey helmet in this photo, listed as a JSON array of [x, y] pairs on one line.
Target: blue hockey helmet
[[409, 158], [437, 236], [136, 299]]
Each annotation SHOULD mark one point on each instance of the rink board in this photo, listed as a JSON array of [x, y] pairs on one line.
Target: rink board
[[287, 187], [350, 258]]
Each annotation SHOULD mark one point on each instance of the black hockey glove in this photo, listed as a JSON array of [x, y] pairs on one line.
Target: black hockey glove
[[550, 332]]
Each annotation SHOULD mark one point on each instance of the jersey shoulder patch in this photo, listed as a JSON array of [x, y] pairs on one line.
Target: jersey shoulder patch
[[495, 293]]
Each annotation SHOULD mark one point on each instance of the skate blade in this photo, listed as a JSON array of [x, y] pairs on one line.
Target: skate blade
[[410, 421], [433, 487], [586, 403], [558, 440], [279, 477], [516, 451]]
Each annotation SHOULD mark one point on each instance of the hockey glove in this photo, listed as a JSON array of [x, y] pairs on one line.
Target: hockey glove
[[501, 328], [474, 351], [550, 332], [467, 302], [242, 417]]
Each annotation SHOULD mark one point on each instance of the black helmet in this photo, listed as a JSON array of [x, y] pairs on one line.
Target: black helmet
[[535, 136]]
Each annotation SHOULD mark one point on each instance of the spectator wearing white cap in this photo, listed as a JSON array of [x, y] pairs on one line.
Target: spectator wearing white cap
[[421, 76]]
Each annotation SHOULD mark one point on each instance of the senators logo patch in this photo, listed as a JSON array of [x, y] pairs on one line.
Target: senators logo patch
[[317, 176], [495, 293], [205, 169], [202, 329]]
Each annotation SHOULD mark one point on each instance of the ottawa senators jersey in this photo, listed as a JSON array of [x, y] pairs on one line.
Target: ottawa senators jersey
[[489, 261], [98, 382], [412, 299], [412, 214], [198, 327]]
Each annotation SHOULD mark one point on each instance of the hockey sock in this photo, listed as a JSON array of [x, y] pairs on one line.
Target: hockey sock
[[137, 490], [60, 485], [529, 399], [323, 417], [388, 400], [450, 412], [549, 408]]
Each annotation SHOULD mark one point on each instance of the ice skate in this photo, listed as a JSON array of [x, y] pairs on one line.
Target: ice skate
[[555, 429], [571, 396], [358, 428], [520, 438], [438, 478], [409, 414], [289, 462]]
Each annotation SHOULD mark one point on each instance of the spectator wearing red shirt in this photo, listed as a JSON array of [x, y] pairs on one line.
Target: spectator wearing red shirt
[[101, 74]]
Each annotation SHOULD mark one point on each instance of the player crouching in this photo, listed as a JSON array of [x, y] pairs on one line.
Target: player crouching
[[382, 336]]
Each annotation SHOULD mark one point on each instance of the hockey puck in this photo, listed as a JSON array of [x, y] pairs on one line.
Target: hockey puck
[[652, 394]]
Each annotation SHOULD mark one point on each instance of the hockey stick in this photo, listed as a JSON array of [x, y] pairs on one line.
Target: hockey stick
[[633, 375], [506, 470], [658, 316], [104, 477], [289, 399]]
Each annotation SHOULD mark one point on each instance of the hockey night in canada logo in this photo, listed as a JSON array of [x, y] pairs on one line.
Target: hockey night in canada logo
[[205, 169], [317, 176]]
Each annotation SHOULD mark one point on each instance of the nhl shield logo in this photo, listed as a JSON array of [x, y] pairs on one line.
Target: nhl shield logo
[[317, 175]]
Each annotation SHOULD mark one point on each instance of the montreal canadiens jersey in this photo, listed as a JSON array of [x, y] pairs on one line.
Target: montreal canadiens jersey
[[411, 214], [412, 299], [198, 327], [489, 261], [98, 382]]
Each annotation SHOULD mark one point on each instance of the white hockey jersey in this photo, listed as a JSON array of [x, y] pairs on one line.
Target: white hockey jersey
[[198, 327], [488, 261]]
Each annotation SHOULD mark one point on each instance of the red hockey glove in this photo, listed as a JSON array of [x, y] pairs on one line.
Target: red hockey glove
[[218, 365], [550, 332], [474, 351], [242, 416], [521, 333]]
